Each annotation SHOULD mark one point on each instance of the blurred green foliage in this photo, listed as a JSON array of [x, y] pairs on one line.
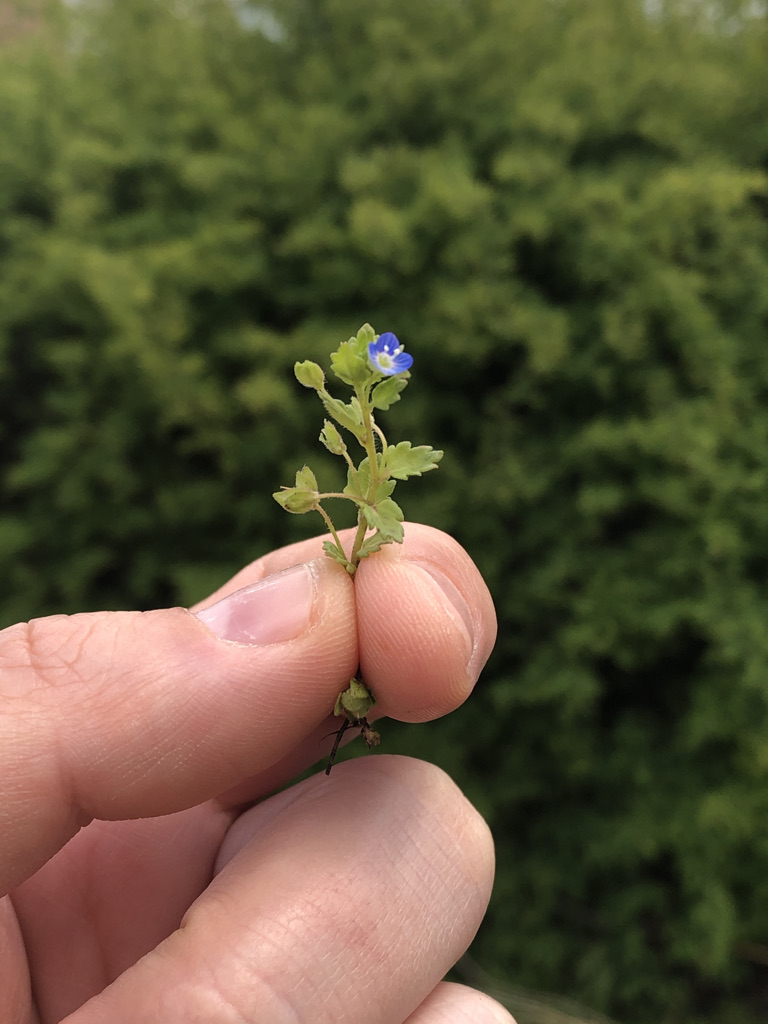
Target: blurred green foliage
[[560, 207]]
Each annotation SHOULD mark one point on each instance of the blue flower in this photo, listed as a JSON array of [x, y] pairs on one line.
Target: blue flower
[[387, 356]]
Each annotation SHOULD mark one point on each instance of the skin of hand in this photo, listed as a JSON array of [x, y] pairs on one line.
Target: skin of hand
[[146, 874]]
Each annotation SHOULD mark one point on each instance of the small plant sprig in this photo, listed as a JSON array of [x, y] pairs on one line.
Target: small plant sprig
[[375, 367]]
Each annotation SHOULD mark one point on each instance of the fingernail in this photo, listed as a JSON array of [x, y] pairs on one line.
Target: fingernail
[[271, 611], [454, 595]]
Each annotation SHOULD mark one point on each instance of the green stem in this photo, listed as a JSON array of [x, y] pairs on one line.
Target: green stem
[[380, 432], [340, 494], [334, 534], [383, 440], [373, 482], [351, 465]]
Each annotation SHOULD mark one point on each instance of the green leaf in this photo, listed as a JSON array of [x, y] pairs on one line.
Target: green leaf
[[402, 460], [365, 336], [306, 479], [359, 482], [389, 508], [332, 439], [330, 548], [350, 365], [386, 516], [373, 543], [388, 391], [345, 415], [355, 702], [384, 489], [310, 375], [354, 405]]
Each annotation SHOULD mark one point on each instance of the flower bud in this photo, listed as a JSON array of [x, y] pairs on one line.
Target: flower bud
[[310, 375]]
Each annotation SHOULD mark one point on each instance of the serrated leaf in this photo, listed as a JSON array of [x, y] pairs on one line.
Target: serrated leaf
[[309, 374], [375, 542], [349, 364], [402, 460], [388, 391], [357, 412], [389, 508], [306, 479], [329, 547], [359, 482], [386, 516], [344, 415], [384, 489], [332, 439]]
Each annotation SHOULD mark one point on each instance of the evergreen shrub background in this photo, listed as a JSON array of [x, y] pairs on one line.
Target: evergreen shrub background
[[560, 208]]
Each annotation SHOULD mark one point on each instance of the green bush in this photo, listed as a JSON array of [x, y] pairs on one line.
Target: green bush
[[560, 208]]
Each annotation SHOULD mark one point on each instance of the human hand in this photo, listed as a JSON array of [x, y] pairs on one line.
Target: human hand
[[143, 740]]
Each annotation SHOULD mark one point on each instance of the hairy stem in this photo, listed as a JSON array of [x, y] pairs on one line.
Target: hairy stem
[[334, 534], [373, 483]]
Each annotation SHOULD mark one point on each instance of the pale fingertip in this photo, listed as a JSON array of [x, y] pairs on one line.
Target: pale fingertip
[[449, 564], [426, 623], [459, 1004]]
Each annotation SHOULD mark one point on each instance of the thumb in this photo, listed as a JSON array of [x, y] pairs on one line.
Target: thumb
[[134, 714]]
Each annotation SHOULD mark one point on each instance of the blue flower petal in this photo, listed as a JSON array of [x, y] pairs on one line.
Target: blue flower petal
[[387, 356]]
